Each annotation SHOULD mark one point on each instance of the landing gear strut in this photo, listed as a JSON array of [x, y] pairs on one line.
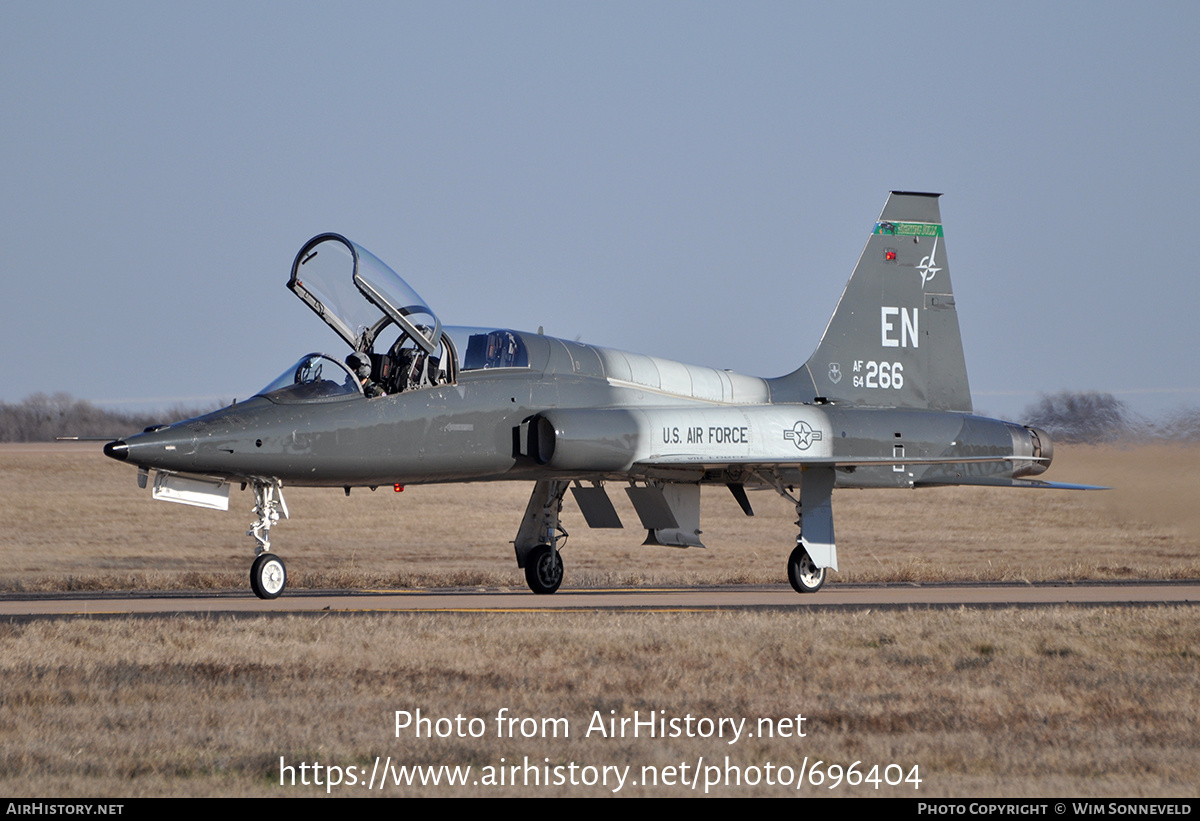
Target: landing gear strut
[[268, 576]]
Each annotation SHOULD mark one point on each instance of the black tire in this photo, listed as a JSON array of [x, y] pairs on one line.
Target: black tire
[[268, 576], [805, 576], [543, 569]]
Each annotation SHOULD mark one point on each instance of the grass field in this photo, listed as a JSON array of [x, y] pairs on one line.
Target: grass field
[[1058, 702], [1082, 701]]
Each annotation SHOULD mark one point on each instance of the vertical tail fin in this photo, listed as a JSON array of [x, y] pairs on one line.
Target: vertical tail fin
[[893, 340]]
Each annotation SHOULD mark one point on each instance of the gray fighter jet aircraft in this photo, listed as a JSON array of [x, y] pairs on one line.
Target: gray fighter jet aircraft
[[883, 402]]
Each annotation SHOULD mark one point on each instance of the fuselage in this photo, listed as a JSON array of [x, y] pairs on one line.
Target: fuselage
[[575, 411]]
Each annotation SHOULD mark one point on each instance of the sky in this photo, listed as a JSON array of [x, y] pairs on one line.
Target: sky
[[688, 180]]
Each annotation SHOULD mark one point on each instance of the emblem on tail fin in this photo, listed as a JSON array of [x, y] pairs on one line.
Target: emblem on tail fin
[[928, 267]]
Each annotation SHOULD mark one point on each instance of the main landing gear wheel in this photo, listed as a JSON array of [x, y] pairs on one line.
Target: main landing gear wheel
[[543, 569], [268, 576], [805, 576]]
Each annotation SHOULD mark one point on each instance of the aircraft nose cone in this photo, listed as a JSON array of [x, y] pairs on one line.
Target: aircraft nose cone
[[117, 450]]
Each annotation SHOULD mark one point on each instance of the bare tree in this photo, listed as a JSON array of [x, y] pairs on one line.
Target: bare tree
[[1182, 425], [1089, 417], [41, 418]]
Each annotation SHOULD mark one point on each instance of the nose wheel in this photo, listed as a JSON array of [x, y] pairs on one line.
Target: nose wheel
[[268, 576]]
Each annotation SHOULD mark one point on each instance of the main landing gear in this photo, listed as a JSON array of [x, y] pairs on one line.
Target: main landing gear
[[268, 575], [805, 576], [543, 569], [814, 517], [540, 535]]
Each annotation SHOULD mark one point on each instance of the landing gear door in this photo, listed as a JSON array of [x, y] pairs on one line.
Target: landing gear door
[[357, 295]]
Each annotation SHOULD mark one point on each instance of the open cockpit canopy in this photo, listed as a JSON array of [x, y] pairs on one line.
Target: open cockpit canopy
[[333, 276], [379, 315], [361, 298]]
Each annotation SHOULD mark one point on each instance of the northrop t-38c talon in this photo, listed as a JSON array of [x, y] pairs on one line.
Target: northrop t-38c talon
[[883, 402]]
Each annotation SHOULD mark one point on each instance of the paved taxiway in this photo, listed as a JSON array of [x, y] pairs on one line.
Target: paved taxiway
[[715, 598]]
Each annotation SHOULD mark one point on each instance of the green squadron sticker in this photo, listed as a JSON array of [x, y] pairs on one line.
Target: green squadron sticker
[[908, 229]]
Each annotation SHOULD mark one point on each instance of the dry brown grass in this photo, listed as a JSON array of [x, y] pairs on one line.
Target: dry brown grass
[[73, 519], [1063, 702]]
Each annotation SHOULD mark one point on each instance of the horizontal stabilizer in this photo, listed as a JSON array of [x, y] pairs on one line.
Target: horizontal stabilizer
[[989, 481]]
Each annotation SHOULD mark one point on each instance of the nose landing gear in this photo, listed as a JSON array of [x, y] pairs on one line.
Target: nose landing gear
[[268, 575]]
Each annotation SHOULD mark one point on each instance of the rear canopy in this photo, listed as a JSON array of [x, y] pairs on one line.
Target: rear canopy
[[357, 295]]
